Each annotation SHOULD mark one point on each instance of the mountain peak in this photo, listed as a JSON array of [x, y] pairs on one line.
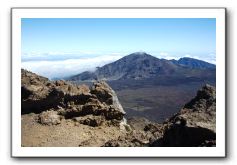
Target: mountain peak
[[140, 53]]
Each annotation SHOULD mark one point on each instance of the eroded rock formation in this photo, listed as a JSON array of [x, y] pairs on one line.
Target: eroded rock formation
[[54, 100]]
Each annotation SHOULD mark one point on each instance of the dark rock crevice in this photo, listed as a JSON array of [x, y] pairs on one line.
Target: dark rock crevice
[[182, 136]]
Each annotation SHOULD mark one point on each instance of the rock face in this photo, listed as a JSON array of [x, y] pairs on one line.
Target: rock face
[[54, 100], [195, 124]]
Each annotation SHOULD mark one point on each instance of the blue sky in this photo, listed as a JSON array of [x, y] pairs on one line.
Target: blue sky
[[56, 41]]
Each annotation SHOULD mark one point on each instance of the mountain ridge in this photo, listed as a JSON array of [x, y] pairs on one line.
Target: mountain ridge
[[140, 65], [194, 63]]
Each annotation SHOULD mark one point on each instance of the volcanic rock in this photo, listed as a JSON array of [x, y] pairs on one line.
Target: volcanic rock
[[69, 100], [90, 120], [142, 133], [195, 124], [50, 118]]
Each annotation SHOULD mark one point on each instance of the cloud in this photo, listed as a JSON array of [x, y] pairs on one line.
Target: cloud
[[56, 56], [164, 54], [187, 55], [68, 67], [211, 58]]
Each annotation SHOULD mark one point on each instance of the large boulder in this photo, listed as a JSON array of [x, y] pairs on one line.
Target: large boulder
[[195, 124]]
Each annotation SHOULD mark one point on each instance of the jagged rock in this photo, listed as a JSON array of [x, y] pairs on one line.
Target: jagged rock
[[141, 134], [90, 120], [50, 118], [204, 101], [60, 83], [194, 124], [71, 89], [70, 100], [29, 78], [102, 91], [106, 94]]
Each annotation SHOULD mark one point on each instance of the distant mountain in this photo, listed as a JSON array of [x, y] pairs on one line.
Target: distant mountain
[[137, 65], [194, 63], [141, 65]]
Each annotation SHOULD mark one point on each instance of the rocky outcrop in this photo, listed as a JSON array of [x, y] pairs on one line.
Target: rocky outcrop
[[52, 99], [142, 133], [195, 124]]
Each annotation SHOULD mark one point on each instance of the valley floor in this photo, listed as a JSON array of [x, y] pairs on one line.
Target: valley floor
[[156, 102]]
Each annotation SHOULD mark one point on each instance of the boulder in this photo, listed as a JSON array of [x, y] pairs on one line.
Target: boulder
[[50, 118]]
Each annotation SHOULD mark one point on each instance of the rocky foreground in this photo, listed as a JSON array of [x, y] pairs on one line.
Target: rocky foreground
[[59, 113]]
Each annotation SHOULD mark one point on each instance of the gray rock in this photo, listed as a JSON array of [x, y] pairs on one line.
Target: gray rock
[[50, 118]]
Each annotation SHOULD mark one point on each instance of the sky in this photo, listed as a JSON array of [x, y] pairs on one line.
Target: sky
[[60, 47]]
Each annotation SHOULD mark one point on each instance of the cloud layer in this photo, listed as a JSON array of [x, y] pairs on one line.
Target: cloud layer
[[67, 67]]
